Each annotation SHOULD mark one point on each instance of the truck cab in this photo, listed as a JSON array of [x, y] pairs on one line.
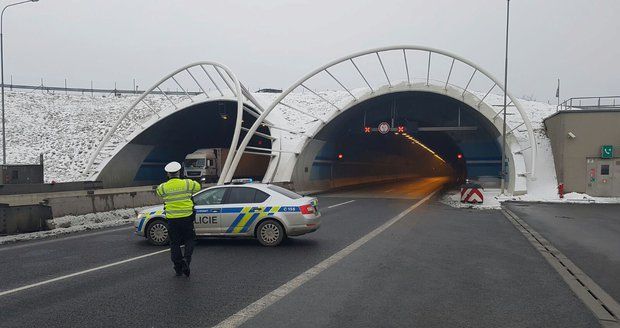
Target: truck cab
[[201, 165]]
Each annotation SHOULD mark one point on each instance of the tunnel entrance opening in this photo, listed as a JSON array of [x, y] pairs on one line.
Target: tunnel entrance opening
[[429, 135], [205, 125]]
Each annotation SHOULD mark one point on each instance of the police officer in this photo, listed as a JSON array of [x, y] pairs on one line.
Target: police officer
[[179, 207]]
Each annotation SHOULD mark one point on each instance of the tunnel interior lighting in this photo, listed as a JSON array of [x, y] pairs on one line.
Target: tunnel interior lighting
[[459, 156], [417, 142], [340, 156]]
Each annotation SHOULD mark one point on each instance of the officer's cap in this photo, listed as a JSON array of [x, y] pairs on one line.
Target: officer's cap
[[173, 167]]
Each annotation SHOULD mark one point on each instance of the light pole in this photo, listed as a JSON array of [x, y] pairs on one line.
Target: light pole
[[2, 73], [504, 173]]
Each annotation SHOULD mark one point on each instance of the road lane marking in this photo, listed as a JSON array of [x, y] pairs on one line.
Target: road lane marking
[[57, 238], [602, 305], [349, 202], [389, 190], [258, 306], [49, 281]]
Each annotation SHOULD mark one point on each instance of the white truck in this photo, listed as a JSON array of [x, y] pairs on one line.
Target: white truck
[[205, 165]]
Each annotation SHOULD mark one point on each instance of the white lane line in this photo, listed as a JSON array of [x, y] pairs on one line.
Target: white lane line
[[49, 281], [59, 238], [258, 306], [349, 202], [389, 190]]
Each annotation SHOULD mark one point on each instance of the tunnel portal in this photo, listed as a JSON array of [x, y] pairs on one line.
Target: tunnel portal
[[204, 125], [350, 149]]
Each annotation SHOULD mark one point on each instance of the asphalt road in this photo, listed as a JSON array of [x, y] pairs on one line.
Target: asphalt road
[[588, 234], [435, 267]]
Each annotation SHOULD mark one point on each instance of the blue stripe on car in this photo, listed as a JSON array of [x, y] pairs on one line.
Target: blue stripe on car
[[249, 223], [232, 210], [234, 224]]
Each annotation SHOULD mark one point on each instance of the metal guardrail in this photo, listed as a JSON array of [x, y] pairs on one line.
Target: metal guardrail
[[602, 102], [92, 90]]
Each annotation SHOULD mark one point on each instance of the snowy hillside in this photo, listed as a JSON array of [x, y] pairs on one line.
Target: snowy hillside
[[67, 128], [64, 128]]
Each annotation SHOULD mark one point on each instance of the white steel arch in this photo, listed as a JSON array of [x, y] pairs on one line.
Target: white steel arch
[[204, 73], [367, 90]]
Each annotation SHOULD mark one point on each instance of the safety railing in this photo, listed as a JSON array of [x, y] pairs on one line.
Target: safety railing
[[602, 102]]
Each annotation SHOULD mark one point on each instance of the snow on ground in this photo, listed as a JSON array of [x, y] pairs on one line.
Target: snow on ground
[[492, 200], [70, 223], [67, 128], [64, 128]]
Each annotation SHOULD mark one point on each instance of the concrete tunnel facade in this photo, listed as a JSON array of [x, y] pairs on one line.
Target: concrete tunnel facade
[[444, 119], [208, 124], [343, 153]]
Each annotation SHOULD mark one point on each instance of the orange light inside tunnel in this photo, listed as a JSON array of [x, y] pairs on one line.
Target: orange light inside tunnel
[[340, 156], [417, 142]]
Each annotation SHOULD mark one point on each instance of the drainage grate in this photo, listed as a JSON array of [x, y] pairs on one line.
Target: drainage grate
[[604, 307]]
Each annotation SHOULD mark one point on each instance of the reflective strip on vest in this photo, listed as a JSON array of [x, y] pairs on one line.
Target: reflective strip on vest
[[177, 196]]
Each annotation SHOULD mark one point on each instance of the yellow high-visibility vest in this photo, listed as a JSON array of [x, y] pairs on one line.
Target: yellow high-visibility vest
[[177, 196]]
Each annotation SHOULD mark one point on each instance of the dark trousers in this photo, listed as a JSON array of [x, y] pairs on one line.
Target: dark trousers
[[181, 232]]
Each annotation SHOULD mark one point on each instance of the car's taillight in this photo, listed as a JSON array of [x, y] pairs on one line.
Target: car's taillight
[[307, 209]]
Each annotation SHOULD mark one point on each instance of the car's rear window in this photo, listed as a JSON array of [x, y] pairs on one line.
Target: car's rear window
[[285, 192]]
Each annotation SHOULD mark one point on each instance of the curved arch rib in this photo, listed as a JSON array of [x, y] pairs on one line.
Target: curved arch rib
[[300, 83], [237, 91]]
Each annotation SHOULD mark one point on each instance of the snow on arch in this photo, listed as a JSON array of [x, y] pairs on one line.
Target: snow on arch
[[195, 82], [521, 148]]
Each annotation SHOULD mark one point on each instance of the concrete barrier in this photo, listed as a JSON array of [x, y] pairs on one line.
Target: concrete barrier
[[33, 199], [27, 218], [93, 203], [32, 188]]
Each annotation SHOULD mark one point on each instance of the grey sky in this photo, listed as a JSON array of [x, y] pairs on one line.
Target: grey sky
[[272, 43]]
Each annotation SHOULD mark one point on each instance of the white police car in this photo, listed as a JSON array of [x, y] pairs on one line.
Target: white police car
[[267, 212]]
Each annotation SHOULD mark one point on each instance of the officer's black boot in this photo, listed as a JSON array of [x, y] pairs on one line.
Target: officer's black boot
[[178, 270], [185, 268]]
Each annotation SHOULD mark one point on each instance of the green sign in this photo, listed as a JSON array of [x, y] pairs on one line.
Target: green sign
[[607, 151]]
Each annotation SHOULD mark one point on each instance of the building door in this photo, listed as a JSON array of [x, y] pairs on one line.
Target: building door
[[600, 177], [616, 177]]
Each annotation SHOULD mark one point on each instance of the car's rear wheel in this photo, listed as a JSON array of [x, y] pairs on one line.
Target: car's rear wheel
[[157, 233], [270, 233]]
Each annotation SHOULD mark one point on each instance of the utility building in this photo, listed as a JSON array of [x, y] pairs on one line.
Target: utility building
[[586, 148]]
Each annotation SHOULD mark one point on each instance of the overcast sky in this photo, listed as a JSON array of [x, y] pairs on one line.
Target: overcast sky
[[272, 43]]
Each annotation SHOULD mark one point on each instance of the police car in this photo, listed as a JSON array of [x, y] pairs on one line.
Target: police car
[[266, 212]]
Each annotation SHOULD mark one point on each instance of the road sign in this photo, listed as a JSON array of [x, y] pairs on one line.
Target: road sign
[[607, 151], [384, 127], [471, 195]]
